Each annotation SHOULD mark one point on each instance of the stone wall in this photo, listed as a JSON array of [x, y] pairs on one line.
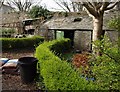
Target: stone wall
[[113, 36], [47, 34], [82, 40], [12, 17]]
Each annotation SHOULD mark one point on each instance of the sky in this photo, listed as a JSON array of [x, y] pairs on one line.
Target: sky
[[51, 5]]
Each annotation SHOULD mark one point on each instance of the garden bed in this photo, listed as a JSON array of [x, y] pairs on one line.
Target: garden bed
[[11, 81]]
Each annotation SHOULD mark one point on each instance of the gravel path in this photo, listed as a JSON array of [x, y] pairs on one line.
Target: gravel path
[[12, 82]]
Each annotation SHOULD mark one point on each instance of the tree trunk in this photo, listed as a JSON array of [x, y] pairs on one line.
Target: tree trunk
[[98, 32]]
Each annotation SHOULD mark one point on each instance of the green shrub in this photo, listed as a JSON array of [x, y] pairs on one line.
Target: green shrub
[[106, 67], [108, 48], [20, 43], [7, 31], [58, 74], [107, 74], [60, 46]]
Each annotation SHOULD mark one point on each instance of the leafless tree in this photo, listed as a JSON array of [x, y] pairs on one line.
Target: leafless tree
[[1, 3], [22, 5], [96, 11], [69, 5]]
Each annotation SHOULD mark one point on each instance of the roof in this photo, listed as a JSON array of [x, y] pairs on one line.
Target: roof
[[70, 23], [31, 19]]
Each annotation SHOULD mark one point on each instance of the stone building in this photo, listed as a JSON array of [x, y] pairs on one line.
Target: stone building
[[78, 27], [11, 19]]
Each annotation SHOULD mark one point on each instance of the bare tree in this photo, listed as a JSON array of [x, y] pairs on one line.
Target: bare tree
[[96, 11], [1, 3], [69, 5], [76, 6], [22, 5]]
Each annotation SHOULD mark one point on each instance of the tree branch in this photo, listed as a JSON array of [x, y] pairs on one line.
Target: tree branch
[[91, 10], [1, 3], [21, 5], [73, 6], [60, 5], [104, 6], [110, 56], [91, 5], [98, 6], [108, 8], [67, 6]]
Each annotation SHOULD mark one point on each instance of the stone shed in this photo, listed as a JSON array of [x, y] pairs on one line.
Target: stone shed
[[78, 27]]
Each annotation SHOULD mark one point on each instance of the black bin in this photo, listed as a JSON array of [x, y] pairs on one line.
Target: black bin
[[28, 69]]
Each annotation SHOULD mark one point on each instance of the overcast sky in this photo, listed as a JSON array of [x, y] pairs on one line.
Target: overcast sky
[[50, 4]]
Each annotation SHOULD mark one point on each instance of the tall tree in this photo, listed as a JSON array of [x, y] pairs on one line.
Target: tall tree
[[22, 5], [96, 11]]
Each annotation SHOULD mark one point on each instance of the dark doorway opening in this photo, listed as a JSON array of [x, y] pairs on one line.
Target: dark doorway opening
[[70, 35]]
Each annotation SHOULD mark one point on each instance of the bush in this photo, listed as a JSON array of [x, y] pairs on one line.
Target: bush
[[107, 74], [20, 43], [60, 46], [58, 74], [106, 67], [7, 32]]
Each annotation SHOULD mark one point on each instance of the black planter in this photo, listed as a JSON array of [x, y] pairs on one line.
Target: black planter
[[28, 69]]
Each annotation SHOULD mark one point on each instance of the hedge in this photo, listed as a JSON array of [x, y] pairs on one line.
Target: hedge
[[60, 46], [20, 43], [58, 74]]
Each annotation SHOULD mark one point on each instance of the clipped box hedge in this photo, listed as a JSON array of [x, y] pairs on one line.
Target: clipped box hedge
[[58, 74], [20, 43]]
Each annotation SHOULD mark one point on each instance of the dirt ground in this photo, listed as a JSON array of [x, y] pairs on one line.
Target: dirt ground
[[12, 82], [16, 54]]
